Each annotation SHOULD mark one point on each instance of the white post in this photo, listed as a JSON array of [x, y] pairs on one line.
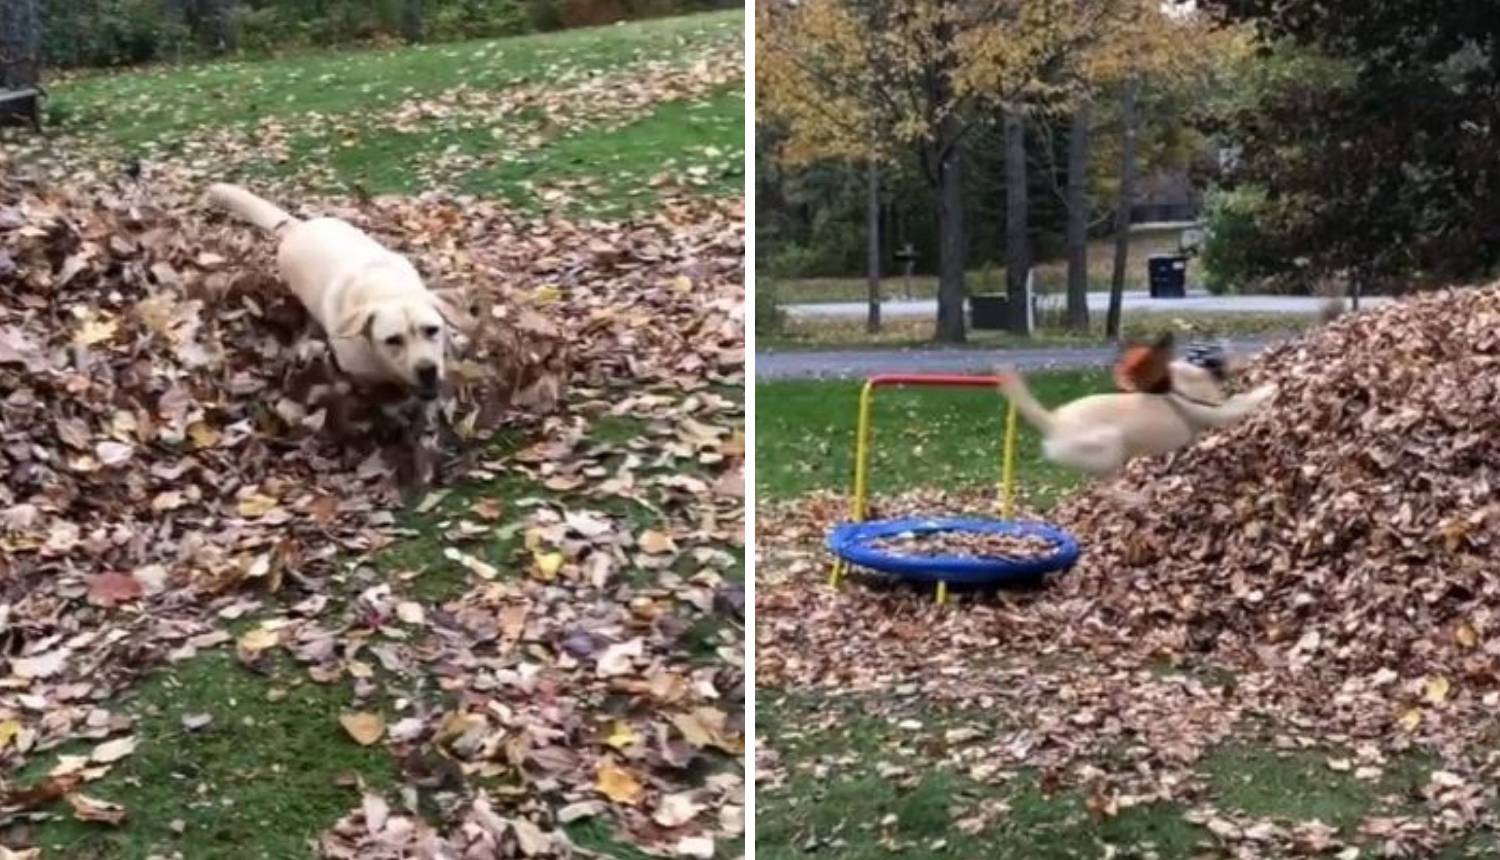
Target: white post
[[1030, 301]]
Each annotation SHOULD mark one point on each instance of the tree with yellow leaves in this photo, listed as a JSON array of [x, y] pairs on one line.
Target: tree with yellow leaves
[[1149, 42], [870, 80]]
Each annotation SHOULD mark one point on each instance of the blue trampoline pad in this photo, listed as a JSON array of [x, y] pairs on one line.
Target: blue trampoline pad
[[852, 542]]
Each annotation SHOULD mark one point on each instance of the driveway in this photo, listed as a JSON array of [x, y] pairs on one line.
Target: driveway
[[1196, 302], [857, 364]]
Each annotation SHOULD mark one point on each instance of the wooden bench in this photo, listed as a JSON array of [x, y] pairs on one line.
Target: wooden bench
[[25, 102]]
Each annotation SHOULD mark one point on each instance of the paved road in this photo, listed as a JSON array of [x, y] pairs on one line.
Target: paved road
[[862, 363], [1196, 302]]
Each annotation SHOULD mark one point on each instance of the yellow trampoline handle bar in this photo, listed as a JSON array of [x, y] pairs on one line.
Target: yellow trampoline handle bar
[[858, 507]]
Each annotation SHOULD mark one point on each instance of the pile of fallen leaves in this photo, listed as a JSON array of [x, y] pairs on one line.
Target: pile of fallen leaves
[[1350, 526], [965, 544], [165, 472]]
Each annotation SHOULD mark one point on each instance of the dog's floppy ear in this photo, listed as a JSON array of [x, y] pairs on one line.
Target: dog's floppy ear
[[453, 304], [357, 323]]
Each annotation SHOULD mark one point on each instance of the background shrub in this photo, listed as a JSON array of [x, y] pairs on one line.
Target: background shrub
[[81, 33]]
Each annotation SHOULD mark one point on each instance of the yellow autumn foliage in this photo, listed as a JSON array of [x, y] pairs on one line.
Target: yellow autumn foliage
[[861, 79]]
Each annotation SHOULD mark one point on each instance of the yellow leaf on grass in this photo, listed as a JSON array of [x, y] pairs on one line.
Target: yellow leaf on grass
[[617, 784], [1466, 635], [622, 736], [547, 564], [1411, 719], [258, 640], [96, 331], [1436, 689], [87, 808], [656, 542], [705, 727], [682, 284], [366, 728], [8, 731], [203, 435], [112, 751], [256, 505]]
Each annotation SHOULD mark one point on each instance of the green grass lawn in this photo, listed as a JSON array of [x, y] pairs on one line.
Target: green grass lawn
[[874, 779], [921, 437], [528, 119], [161, 104]]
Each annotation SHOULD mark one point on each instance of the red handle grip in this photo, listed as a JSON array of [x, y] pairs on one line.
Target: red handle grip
[[934, 380]]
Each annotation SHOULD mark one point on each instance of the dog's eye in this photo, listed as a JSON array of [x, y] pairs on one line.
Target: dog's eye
[[394, 340], [431, 331]]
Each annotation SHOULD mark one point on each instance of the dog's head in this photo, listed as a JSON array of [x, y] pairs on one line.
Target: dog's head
[[408, 336], [1196, 382]]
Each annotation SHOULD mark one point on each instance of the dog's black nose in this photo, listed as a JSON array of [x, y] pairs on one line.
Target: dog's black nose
[[427, 380]]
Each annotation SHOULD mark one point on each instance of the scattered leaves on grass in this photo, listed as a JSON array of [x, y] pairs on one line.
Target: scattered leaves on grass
[[91, 809], [1325, 567], [183, 452]]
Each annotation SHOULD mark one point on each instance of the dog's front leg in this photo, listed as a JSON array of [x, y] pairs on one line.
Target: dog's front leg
[[424, 441], [417, 421], [1234, 408]]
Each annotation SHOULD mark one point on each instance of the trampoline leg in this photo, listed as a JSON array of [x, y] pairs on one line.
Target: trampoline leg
[[836, 575], [942, 593]]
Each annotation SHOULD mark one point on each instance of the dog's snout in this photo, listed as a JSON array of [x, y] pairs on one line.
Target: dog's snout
[[427, 378]]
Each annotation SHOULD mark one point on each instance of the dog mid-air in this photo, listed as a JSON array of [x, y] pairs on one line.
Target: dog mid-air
[[1163, 406], [383, 323]]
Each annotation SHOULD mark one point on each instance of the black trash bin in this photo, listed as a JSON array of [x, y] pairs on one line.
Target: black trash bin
[[988, 312], [1167, 274]]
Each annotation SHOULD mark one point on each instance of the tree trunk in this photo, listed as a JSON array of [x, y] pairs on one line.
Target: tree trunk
[[872, 244], [221, 26], [951, 247], [1122, 211], [20, 44], [1017, 246], [412, 21], [1078, 220]]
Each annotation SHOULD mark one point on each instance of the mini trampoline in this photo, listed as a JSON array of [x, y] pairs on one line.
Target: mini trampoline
[[853, 542]]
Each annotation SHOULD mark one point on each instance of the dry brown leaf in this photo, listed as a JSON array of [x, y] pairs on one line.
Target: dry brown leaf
[[618, 784], [112, 589], [363, 726], [91, 809]]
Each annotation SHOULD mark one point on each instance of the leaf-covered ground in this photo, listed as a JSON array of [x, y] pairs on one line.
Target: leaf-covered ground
[[229, 635], [1285, 651]]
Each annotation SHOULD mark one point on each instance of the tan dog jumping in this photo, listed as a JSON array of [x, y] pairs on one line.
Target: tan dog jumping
[[383, 324], [1166, 406]]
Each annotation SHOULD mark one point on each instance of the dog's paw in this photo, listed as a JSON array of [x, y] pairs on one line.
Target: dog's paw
[[1264, 393]]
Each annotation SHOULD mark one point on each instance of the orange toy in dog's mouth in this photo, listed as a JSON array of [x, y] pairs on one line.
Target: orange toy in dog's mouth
[[1146, 368]]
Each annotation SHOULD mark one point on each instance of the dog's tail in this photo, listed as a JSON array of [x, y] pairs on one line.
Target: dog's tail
[[258, 211], [1015, 390]]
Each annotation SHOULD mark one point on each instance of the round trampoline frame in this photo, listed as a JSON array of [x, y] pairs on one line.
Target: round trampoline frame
[[849, 541]]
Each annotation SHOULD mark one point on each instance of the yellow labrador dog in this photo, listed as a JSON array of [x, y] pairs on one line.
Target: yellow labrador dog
[[1100, 433], [384, 324]]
